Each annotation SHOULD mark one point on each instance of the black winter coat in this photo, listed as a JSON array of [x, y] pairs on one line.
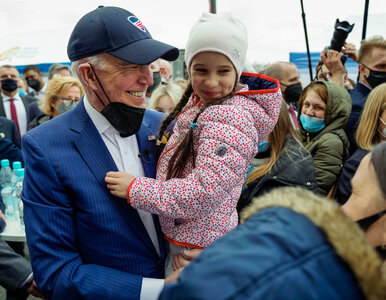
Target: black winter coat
[[294, 167]]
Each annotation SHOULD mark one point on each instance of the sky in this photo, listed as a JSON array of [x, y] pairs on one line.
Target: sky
[[275, 27]]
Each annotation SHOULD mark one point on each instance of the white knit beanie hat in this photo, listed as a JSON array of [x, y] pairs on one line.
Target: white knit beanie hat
[[220, 33]]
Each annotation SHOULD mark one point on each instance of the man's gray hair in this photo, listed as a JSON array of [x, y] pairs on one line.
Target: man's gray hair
[[97, 61], [55, 68]]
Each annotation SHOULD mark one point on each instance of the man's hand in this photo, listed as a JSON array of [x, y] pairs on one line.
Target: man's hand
[[351, 51], [34, 290], [334, 64], [118, 183], [333, 61], [181, 261]]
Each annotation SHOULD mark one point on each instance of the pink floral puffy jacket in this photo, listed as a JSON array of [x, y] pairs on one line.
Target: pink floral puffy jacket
[[200, 207]]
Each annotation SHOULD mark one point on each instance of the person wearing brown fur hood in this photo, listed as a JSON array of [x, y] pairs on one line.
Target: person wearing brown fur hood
[[292, 244]]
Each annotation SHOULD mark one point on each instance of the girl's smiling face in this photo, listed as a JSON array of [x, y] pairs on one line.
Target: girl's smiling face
[[213, 76]]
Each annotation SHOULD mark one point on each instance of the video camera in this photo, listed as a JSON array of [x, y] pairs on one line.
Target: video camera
[[342, 29]]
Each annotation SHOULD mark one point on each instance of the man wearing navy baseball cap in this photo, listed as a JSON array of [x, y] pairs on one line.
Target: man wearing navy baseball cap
[[84, 242]]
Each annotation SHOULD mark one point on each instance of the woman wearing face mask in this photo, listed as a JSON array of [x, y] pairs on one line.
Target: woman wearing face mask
[[367, 203], [62, 94], [371, 131], [281, 161], [324, 109]]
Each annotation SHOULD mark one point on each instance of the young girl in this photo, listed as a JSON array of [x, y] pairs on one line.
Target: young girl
[[219, 125]]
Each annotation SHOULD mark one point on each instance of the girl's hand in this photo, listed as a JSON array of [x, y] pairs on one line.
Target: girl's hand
[[182, 260], [118, 183]]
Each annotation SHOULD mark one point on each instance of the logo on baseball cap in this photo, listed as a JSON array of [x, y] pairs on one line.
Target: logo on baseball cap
[[118, 32]]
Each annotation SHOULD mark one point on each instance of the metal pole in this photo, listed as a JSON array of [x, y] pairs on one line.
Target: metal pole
[[365, 19], [212, 6], [305, 33]]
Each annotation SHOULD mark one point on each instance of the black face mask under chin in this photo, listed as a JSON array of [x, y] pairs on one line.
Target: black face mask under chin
[[126, 119]]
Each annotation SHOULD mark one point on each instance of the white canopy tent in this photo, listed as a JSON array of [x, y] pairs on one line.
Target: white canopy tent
[[39, 48]]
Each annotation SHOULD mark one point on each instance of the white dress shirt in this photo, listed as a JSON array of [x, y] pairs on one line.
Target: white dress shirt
[[125, 155], [20, 111]]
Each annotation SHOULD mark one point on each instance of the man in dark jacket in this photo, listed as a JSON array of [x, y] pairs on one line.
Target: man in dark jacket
[[372, 72], [12, 105], [15, 270]]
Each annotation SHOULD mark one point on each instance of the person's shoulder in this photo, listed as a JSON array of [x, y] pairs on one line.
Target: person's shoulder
[[333, 140], [55, 126], [5, 121], [154, 115], [28, 98]]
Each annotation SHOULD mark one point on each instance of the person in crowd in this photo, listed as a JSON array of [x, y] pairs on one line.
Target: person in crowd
[[219, 125], [8, 150], [60, 69], [12, 105], [62, 95], [330, 67], [350, 84], [33, 108], [166, 71], [34, 77], [337, 73], [281, 161], [371, 131], [290, 85], [292, 244], [82, 243], [22, 86], [181, 82], [367, 203], [372, 72], [165, 98], [8, 130], [15, 271], [324, 109], [155, 68]]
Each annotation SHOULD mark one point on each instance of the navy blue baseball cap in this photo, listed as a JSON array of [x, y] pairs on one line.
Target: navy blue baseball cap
[[118, 32]]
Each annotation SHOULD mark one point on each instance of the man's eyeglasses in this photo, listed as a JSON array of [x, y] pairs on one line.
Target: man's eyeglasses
[[68, 101]]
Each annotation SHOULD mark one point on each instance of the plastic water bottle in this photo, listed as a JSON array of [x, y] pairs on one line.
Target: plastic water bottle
[[15, 166], [5, 173], [18, 189], [6, 194]]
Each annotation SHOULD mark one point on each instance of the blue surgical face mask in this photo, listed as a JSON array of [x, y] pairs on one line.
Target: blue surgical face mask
[[21, 92], [263, 146], [311, 124]]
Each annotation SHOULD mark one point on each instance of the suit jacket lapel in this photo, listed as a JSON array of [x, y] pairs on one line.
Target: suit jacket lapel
[[2, 111], [146, 144], [95, 153]]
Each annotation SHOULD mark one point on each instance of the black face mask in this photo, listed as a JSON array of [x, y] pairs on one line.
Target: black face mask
[[34, 83], [9, 85], [376, 77], [292, 92], [157, 81], [126, 119]]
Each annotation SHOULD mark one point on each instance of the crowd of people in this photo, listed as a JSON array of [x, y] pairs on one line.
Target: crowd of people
[[224, 185]]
